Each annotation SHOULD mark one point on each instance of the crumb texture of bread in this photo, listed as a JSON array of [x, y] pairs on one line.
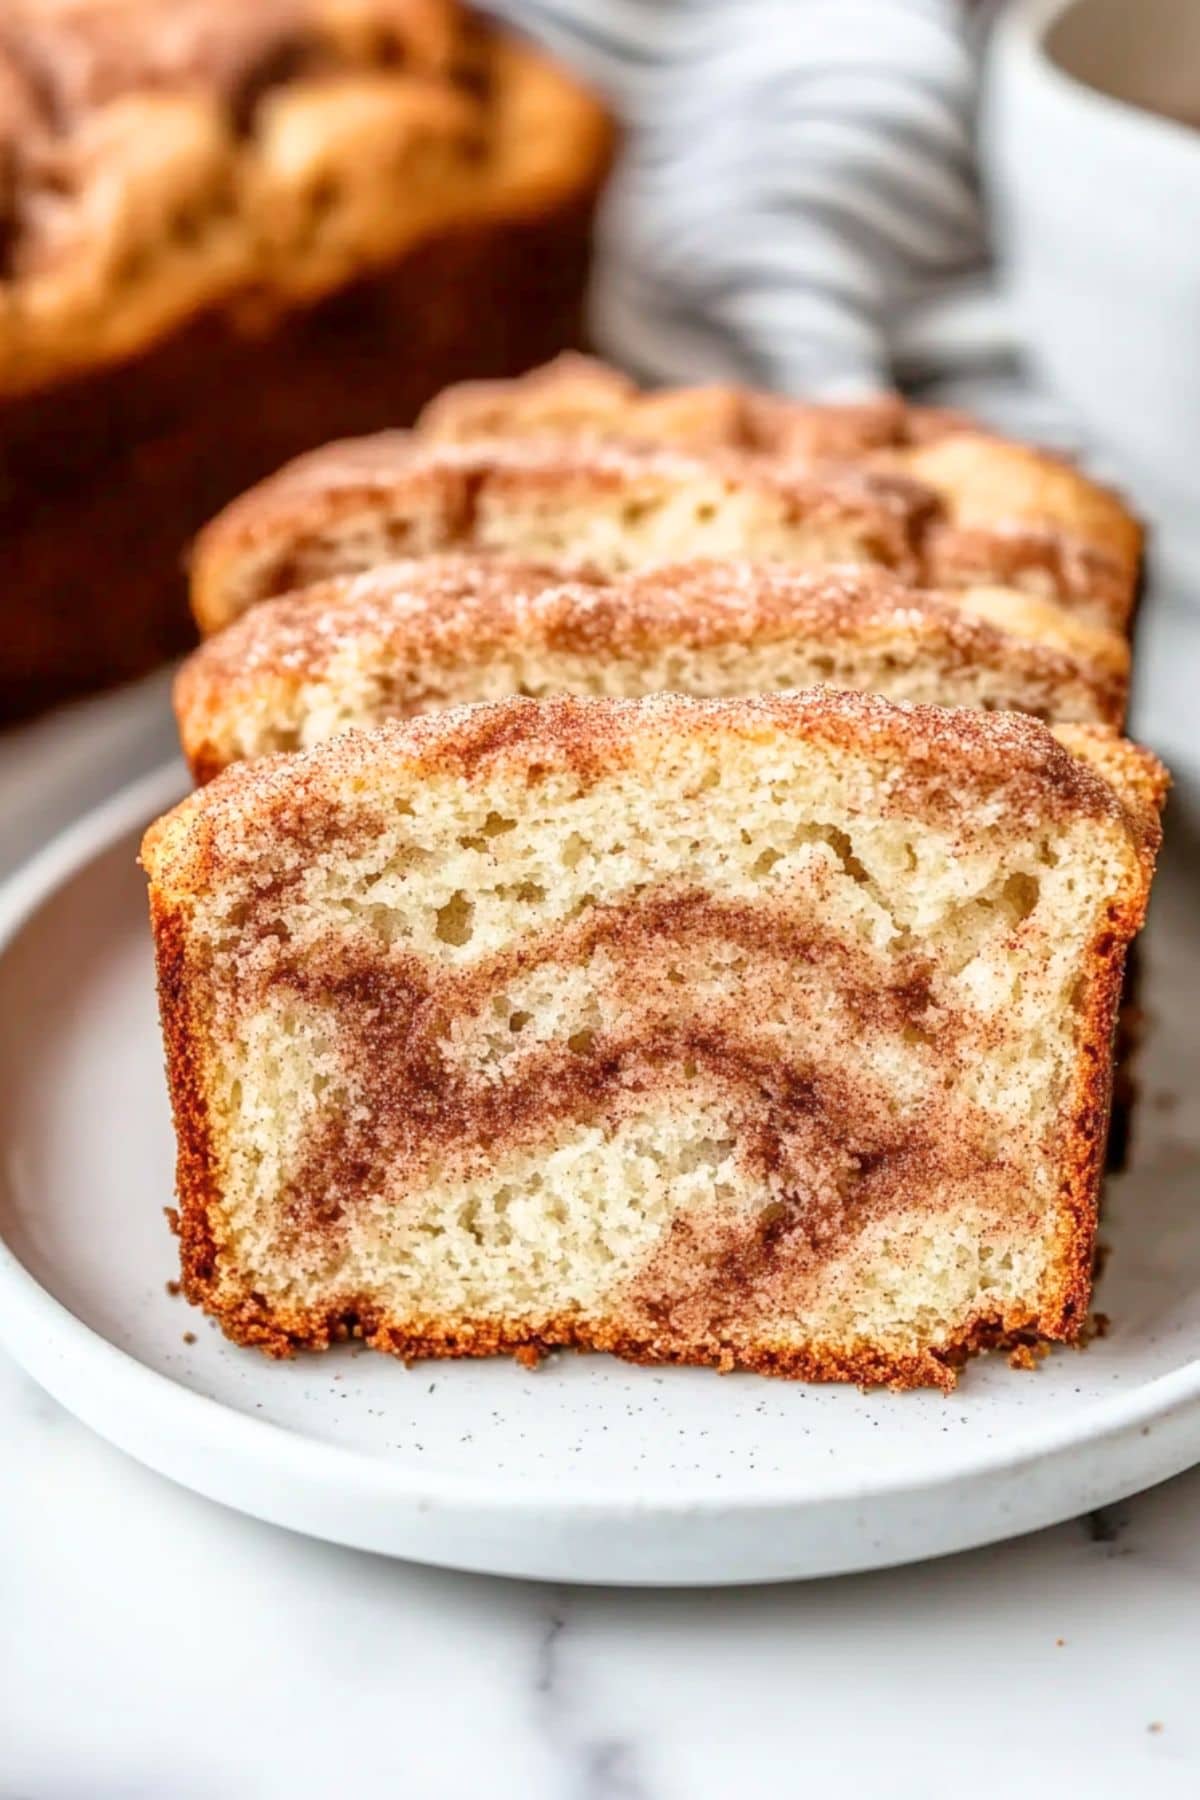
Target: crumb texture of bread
[[964, 510], [164, 159], [409, 638], [765, 1032]]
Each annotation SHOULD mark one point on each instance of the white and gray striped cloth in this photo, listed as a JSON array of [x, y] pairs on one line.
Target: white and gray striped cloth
[[798, 204]]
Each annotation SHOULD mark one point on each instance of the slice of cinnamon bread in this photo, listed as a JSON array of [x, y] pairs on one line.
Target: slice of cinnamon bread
[[769, 1032], [1007, 512], [607, 508], [412, 637]]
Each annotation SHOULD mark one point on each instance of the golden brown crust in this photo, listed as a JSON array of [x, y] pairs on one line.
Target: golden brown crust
[[1088, 1108], [146, 452], [183, 1043], [167, 158], [987, 480], [408, 630], [1041, 559], [257, 1326], [579, 396]]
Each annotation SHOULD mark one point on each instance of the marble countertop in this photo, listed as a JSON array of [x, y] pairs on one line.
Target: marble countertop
[[156, 1647]]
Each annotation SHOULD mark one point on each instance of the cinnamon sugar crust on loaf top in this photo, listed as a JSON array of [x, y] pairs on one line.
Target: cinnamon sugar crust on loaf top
[[610, 506], [1010, 511], [163, 158], [769, 1032], [411, 637], [602, 508]]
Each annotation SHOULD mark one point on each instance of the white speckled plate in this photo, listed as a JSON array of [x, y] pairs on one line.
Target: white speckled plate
[[586, 1470]]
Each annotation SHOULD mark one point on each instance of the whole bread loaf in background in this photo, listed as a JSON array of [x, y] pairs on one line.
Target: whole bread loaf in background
[[233, 229]]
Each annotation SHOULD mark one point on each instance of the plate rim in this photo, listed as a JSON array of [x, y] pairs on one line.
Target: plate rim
[[36, 1328]]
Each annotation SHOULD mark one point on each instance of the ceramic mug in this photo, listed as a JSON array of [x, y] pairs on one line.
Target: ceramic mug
[[1091, 151]]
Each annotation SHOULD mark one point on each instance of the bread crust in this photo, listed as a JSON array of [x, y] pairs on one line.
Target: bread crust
[[256, 1326]]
